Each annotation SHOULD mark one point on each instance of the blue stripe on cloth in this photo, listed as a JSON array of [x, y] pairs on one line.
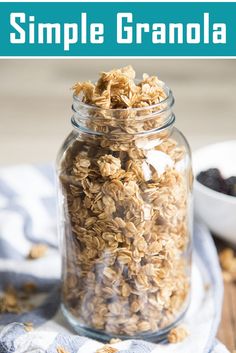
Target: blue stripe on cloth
[[139, 347], [18, 279], [8, 336], [69, 343], [27, 223], [14, 330]]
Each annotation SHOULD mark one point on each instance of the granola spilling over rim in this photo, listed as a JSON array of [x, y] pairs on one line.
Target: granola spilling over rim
[[119, 103], [117, 89], [126, 228]]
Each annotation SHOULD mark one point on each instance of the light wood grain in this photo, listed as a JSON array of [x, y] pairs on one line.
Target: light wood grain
[[227, 329]]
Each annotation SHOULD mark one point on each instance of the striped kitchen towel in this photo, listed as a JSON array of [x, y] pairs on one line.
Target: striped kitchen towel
[[27, 217]]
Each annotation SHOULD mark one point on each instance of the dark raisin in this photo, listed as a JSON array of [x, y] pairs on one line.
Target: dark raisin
[[213, 179], [231, 185]]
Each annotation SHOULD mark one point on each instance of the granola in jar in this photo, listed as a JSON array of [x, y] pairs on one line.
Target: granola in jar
[[125, 180]]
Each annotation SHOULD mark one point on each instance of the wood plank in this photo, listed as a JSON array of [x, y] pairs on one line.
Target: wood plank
[[233, 310], [227, 329], [226, 332]]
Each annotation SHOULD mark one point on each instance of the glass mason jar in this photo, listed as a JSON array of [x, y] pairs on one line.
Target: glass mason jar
[[125, 181]]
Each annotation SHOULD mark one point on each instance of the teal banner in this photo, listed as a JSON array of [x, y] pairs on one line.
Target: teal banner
[[142, 29]]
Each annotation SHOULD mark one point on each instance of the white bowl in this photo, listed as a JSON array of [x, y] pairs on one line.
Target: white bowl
[[216, 210]]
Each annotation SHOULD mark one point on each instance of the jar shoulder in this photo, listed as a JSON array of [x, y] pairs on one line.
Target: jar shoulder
[[76, 142], [181, 140], [68, 143]]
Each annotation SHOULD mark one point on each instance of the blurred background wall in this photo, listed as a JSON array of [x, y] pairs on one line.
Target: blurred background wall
[[35, 101]]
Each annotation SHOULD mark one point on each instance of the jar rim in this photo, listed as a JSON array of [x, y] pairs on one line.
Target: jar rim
[[169, 100]]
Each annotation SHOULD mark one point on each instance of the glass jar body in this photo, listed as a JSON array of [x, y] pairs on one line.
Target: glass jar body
[[126, 226]]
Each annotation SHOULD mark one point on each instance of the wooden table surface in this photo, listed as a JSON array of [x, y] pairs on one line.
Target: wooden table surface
[[227, 329]]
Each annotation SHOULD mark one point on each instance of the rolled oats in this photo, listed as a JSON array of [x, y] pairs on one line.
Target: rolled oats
[[37, 251], [29, 288], [126, 219], [17, 301], [29, 326], [115, 340], [61, 349], [228, 264], [177, 334], [107, 349]]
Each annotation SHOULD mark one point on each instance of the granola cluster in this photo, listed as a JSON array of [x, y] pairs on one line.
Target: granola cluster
[[126, 216], [28, 326], [37, 251], [177, 334], [17, 301], [117, 89], [228, 264], [107, 349], [61, 349], [117, 100]]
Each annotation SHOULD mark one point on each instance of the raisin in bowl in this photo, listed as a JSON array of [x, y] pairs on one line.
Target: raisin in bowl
[[214, 167]]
